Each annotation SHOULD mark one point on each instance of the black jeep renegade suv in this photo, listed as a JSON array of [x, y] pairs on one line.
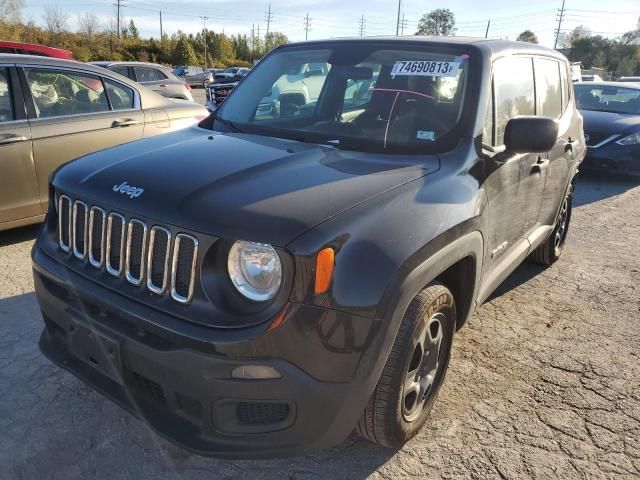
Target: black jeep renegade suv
[[296, 266]]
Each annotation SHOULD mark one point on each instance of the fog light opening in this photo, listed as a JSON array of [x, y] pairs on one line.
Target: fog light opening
[[255, 372]]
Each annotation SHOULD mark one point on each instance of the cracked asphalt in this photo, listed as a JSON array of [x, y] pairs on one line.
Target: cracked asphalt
[[544, 381]]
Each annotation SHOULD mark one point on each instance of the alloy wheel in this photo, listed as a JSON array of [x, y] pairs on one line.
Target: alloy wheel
[[423, 367]]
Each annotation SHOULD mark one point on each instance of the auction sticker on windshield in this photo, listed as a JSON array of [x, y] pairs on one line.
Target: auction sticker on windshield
[[431, 68]]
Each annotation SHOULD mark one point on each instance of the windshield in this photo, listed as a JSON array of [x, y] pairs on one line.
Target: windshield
[[608, 98], [364, 97]]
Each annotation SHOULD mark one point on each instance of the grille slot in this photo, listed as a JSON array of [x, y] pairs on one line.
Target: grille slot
[[64, 223], [158, 260], [261, 413], [115, 244], [151, 257], [136, 247], [97, 223], [79, 229], [185, 253]]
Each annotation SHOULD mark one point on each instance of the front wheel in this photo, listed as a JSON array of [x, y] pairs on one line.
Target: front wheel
[[414, 371], [550, 251]]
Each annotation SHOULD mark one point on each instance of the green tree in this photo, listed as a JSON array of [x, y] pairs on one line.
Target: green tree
[[273, 40], [527, 36], [133, 30], [183, 53], [439, 22]]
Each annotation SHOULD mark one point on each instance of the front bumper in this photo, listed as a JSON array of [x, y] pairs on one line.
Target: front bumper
[[614, 158], [180, 382]]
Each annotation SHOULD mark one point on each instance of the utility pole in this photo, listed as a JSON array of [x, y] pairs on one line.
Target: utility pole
[[161, 25], [307, 27], [398, 20], [561, 15], [259, 46], [204, 28], [486, 33], [403, 23], [119, 4], [253, 32], [362, 24], [269, 17]]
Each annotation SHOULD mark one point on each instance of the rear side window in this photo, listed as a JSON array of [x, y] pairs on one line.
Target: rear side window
[[548, 87], [60, 93], [147, 74], [6, 50], [6, 106], [121, 97], [122, 70], [514, 91]]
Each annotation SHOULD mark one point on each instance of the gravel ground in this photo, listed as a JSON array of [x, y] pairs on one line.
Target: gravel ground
[[544, 381]]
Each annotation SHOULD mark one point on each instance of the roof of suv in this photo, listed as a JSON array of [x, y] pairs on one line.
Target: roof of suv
[[493, 46]]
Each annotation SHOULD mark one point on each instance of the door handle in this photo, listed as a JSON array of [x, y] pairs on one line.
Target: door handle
[[125, 122], [12, 139], [163, 85]]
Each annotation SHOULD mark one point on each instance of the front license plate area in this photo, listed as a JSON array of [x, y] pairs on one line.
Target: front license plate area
[[96, 349]]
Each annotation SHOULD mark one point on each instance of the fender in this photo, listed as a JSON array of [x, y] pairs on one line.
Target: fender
[[420, 270]]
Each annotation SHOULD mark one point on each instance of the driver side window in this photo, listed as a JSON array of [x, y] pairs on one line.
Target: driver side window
[[62, 93]]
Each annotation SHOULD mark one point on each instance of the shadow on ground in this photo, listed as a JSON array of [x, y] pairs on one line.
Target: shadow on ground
[[19, 235], [591, 187]]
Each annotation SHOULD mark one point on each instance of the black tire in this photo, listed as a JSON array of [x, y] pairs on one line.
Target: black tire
[[550, 251], [389, 418]]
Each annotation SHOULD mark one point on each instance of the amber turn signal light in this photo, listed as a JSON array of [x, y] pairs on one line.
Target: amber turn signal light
[[324, 270]]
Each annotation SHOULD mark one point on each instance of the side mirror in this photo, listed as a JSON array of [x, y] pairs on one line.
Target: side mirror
[[529, 134]]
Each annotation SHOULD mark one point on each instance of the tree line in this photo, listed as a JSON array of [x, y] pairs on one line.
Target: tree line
[[619, 56], [93, 40]]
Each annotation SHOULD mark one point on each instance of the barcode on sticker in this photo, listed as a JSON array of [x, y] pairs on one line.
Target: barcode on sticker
[[431, 68]]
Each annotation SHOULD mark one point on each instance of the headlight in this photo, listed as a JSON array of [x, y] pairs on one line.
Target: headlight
[[255, 270], [633, 139]]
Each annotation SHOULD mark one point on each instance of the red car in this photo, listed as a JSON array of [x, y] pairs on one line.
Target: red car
[[33, 49]]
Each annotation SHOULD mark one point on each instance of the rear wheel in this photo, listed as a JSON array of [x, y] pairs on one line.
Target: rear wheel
[[550, 251], [414, 371]]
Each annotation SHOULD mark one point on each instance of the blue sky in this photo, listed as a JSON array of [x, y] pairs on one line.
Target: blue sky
[[338, 18]]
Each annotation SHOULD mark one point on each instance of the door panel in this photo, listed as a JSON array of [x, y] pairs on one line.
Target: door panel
[[553, 98], [515, 182], [19, 197]]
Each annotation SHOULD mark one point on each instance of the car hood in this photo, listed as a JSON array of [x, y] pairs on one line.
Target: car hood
[[236, 185], [607, 122]]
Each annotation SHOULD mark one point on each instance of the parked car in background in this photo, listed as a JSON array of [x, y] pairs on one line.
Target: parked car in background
[[34, 49], [611, 112], [270, 284], [233, 74], [195, 76], [216, 93], [52, 111], [629, 80], [156, 77], [592, 78]]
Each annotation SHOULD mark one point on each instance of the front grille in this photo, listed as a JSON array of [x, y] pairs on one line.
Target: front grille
[[79, 229], [128, 247]]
